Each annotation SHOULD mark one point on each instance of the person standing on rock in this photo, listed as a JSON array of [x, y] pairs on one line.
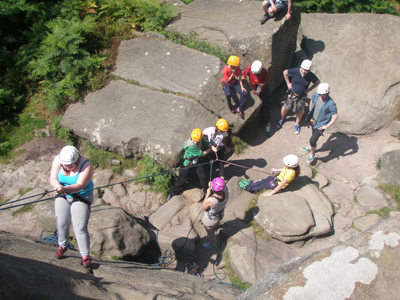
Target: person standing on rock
[[232, 82], [193, 153], [217, 135], [258, 77], [323, 114], [273, 7], [298, 81], [71, 176], [280, 179], [213, 207]]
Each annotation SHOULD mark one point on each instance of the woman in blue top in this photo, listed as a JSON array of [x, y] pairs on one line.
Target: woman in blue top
[[71, 176]]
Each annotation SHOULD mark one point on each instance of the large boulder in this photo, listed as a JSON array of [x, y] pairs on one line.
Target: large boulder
[[234, 26], [130, 119], [295, 215], [390, 166], [357, 54]]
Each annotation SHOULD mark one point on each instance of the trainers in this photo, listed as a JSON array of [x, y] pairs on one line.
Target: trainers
[[306, 149], [60, 252], [243, 183], [267, 130], [310, 159], [208, 246], [86, 262], [240, 113], [279, 124], [264, 19], [296, 129], [232, 109]]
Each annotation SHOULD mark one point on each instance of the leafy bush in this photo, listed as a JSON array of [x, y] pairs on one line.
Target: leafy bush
[[347, 6], [61, 133]]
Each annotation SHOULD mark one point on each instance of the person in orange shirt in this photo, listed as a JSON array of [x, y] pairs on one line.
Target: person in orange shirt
[[232, 82]]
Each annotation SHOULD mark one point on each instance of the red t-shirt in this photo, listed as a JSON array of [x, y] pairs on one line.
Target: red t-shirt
[[227, 72], [256, 80]]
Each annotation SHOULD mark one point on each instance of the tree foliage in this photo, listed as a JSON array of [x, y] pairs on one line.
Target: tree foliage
[[348, 6]]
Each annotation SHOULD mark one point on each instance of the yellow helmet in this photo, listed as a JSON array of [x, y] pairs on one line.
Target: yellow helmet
[[196, 135], [234, 61], [222, 124]]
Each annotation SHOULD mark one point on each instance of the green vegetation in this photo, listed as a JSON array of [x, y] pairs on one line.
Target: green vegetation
[[259, 232], [314, 172], [349, 6], [355, 199], [393, 191], [383, 212], [23, 209], [232, 275], [238, 145]]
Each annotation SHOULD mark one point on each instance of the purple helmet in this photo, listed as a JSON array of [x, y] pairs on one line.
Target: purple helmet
[[218, 184]]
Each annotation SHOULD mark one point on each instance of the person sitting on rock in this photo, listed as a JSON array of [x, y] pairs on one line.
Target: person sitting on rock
[[217, 135], [258, 77], [213, 207], [298, 81], [232, 82], [193, 153], [273, 7], [279, 180]]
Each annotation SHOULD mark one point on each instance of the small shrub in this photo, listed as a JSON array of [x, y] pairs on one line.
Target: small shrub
[[314, 172], [63, 134], [379, 164], [238, 145]]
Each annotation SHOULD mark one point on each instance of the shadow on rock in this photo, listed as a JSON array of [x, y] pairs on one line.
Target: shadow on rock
[[238, 167], [339, 144]]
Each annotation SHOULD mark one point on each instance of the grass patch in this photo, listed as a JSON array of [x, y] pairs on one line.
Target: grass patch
[[238, 146], [355, 199], [24, 209], [393, 191], [314, 172], [378, 164], [114, 257], [259, 232], [232, 275], [24, 191]]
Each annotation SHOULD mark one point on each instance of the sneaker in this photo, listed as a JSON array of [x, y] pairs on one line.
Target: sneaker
[[264, 19], [307, 149], [243, 183], [86, 262], [296, 129], [232, 109], [60, 252], [279, 124], [267, 130], [310, 159], [240, 113], [208, 246]]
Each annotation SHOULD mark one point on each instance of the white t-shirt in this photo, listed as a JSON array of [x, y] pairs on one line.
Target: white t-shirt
[[215, 138]]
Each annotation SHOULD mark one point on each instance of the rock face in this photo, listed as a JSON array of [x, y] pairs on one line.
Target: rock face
[[390, 166], [293, 216], [362, 268], [357, 55], [22, 258]]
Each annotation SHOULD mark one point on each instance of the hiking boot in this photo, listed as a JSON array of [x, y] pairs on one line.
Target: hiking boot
[[240, 113], [267, 130], [264, 19], [310, 159], [60, 252], [306, 149], [296, 129], [232, 109], [208, 246], [86, 261], [279, 124]]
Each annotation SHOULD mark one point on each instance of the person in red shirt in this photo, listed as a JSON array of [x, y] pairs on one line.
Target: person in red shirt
[[232, 82], [258, 77]]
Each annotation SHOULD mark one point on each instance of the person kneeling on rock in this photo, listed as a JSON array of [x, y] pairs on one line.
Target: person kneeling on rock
[[213, 206], [280, 179]]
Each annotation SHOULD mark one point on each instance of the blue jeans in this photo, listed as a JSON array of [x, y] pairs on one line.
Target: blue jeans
[[230, 88], [278, 5]]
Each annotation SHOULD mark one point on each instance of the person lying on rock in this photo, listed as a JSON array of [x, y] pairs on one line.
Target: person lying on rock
[[273, 7], [192, 162], [258, 77], [213, 207], [232, 82], [280, 179], [217, 135], [71, 176], [323, 114]]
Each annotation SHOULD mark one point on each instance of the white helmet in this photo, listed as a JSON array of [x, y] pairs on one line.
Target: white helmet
[[256, 67], [291, 160], [306, 64], [68, 155], [323, 88]]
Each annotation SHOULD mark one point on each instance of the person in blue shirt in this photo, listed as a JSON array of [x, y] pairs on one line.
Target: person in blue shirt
[[298, 81], [323, 114]]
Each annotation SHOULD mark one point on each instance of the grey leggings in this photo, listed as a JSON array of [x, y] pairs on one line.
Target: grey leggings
[[79, 213]]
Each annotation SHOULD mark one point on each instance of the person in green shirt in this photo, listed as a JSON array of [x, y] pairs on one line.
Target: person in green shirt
[[193, 153]]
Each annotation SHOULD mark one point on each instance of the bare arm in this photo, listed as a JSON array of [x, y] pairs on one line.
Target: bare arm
[[277, 189], [207, 204], [289, 10], [315, 84], [333, 120]]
